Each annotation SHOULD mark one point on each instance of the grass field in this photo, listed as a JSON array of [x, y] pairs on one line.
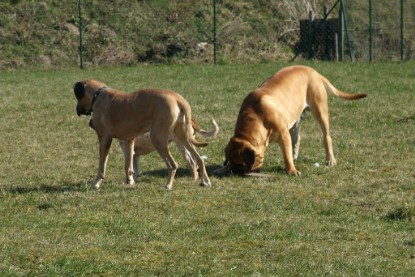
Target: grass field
[[355, 219]]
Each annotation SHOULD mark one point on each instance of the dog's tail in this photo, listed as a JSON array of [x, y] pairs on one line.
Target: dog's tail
[[208, 134], [347, 96], [185, 110]]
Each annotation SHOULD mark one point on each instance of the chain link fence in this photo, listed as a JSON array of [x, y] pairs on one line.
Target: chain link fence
[[358, 31], [113, 32], [212, 31], [382, 30], [145, 31]]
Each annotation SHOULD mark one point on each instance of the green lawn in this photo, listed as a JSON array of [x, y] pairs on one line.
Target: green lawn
[[355, 219]]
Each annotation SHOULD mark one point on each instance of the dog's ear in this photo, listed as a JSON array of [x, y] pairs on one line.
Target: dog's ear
[[79, 90], [248, 155]]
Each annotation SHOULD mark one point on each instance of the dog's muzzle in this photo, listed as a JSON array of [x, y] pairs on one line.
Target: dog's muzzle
[[241, 170], [235, 169]]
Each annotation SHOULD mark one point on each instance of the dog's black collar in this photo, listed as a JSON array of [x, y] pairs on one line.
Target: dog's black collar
[[96, 94], [94, 98]]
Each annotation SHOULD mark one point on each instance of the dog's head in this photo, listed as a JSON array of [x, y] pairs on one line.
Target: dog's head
[[84, 92], [84, 105], [241, 158]]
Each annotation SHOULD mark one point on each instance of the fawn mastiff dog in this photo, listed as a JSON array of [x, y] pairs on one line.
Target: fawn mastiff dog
[[124, 116], [144, 146], [273, 113]]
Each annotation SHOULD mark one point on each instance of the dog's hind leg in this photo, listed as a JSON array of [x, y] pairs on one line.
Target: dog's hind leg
[[181, 135], [129, 164], [136, 159], [160, 142], [104, 146], [191, 164], [136, 166], [321, 114]]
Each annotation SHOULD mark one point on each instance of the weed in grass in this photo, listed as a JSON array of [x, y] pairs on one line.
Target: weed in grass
[[401, 214]]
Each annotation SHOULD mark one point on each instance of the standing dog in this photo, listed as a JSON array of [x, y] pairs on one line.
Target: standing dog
[[123, 116], [273, 113], [144, 146]]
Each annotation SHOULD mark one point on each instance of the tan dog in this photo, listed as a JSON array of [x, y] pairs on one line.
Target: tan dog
[[144, 146], [123, 116], [273, 113]]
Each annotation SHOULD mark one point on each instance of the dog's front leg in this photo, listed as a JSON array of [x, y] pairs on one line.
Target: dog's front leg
[[104, 146], [295, 139], [287, 152], [129, 158]]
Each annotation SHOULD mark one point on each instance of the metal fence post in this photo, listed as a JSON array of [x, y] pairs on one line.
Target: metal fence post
[[343, 11], [341, 35], [402, 30], [370, 30], [310, 34], [214, 31], [80, 34]]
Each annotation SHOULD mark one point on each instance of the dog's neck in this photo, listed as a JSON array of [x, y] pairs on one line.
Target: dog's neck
[[96, 94], [94, 98]]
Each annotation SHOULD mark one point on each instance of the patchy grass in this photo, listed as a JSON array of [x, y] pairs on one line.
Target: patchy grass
[[353, 219]]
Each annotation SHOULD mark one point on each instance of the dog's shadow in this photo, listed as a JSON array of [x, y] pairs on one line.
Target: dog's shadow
[[407, 119], [44, 188], [181, 172], [67, 187], [184, 172]]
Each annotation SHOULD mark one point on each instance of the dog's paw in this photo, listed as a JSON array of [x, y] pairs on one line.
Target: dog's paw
[[97, 183], [294, 173], [331, 162], [205, 183], [129, 181]]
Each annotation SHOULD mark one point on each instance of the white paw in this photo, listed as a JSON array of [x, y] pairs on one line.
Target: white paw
[[97, 183], [205, 183], [294, 172], [129, 181], [331, 162]]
